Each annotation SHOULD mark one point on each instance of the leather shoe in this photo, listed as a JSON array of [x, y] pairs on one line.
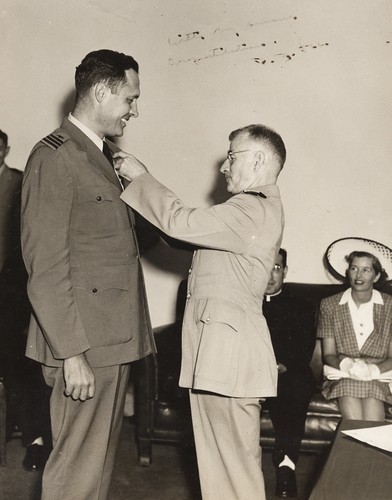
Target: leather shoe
[[35, 457], [286, 483]]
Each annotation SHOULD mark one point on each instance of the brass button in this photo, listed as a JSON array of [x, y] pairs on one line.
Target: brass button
[[94, 290], [98, 198]]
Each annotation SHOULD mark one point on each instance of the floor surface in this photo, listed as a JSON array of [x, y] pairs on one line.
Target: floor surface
[[171, 476]]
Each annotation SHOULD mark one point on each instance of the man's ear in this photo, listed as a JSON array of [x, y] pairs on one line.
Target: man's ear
[[259, 160], [7, 150], [285, 271], [100, 91]]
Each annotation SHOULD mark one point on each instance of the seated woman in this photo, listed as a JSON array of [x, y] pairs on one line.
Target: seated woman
[[356, 331]]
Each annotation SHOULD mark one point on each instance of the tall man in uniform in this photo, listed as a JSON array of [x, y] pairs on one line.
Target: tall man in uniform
[[291, 321], [90, 316], [228, 361]]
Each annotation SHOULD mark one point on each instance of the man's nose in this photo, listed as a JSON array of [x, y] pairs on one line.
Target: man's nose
[[225, 167], [134, 110]]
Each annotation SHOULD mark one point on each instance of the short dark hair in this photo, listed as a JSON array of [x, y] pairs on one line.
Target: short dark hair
[[104, 65], [283, 253], [4, 137], [264, 133], [376, 264]]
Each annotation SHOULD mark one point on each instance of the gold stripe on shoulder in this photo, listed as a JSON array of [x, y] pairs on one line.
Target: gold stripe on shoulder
[[54, 141]]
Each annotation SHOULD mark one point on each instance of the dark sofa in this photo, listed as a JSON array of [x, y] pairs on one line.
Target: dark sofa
[[162, 408]]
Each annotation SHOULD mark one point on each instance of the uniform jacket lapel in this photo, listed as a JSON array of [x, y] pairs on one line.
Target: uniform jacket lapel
[[94, 156]]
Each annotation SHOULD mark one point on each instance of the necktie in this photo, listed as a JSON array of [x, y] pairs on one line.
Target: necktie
[[106, 151]]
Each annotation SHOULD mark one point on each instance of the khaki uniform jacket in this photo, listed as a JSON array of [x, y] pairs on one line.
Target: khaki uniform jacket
[[226, 345], [85, 282]]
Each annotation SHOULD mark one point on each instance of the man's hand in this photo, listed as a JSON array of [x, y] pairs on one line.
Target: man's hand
[[79, 378], [128, 166], [281, 368]]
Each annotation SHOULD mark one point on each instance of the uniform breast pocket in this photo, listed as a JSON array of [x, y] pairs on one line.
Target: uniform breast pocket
[[96, 212], [219, 322]]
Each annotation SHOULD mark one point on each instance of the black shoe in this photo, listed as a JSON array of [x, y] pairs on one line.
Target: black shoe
[[35, 458], [286, 483]]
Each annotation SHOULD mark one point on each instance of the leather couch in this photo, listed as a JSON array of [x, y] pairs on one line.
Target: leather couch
[[162, 408]]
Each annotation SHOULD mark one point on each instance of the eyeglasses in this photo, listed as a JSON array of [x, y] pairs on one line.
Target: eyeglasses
[[230, 154]]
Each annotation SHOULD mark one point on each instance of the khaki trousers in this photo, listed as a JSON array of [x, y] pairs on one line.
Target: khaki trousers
[[85, 436], [227, 437]]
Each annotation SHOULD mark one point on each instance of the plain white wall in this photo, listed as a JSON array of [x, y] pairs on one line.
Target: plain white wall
[[317, 71]]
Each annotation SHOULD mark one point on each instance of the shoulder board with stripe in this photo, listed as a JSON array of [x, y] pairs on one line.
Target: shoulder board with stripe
[[255, 193], [54, 141]]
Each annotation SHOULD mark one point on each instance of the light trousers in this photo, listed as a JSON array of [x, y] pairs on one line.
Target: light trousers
[[227, 438]]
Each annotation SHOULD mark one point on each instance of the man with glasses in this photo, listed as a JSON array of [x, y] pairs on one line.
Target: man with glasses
[[291, 321], [228, 361]]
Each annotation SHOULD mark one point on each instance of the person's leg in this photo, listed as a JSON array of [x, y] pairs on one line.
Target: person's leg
[[288, 414], [373, 409], [351, 408], [227, 437], [85, 436]]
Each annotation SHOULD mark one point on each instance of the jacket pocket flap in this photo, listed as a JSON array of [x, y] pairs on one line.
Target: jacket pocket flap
[[96, 281], [96, 194], [220, 311]]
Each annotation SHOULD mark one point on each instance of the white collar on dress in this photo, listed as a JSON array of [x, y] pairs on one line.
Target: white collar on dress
[[376, 297]]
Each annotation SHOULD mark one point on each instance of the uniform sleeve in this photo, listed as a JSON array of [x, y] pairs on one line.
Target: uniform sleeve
[[231, 226], [47, 200]]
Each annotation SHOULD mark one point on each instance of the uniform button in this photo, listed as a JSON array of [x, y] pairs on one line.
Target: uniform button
[[98, 198], [188, 295], [94, 290], [189, 271], [208, 319]]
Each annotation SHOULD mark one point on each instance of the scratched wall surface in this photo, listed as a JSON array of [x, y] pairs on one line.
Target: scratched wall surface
[[317, 71]]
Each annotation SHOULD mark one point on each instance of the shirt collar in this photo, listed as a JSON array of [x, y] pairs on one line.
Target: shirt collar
[[90, 134], [376, 297], [268, 296]]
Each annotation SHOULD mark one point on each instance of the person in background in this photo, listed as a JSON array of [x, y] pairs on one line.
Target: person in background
[[27, 393], [90, 317], [291, 321], [356, 329], [228, 361]]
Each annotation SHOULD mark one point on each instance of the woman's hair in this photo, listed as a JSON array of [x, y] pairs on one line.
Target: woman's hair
[[376, 264]]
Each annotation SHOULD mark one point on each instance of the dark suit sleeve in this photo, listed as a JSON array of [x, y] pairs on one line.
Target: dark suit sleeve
[[302, 336], [47, 201]]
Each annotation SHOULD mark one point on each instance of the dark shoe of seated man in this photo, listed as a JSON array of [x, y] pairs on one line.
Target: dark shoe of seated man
[[36, 456], [286, 483]]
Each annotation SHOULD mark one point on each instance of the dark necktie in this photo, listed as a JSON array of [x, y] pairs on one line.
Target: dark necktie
[[106, 151]]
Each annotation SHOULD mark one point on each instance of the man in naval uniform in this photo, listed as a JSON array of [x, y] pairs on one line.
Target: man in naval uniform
[[228, 361], [90, 316]]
